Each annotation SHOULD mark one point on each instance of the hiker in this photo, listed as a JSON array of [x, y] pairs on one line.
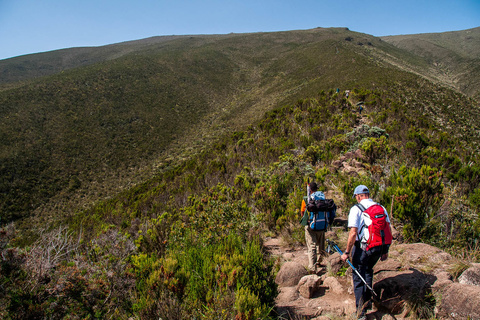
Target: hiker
[[360, 108], [316, 225], [363, 256]]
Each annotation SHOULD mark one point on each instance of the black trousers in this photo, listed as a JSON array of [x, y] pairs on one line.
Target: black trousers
[[364, 264]]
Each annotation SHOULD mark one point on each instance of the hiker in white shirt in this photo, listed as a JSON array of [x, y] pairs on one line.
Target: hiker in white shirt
[[362, 260]]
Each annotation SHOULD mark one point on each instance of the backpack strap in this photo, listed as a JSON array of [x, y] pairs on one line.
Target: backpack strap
[[362, 209]]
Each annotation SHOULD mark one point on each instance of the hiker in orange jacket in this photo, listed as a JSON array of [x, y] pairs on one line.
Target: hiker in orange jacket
[[315, 239]]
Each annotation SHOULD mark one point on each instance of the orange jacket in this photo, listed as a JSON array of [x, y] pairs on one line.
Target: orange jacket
[[304, 206]]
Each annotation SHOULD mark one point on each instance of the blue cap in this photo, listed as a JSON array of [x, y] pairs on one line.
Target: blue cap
[[360, 189]]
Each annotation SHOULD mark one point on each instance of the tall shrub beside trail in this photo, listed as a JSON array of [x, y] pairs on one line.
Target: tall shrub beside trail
[[213, 266], [224, 279], [417, 194]]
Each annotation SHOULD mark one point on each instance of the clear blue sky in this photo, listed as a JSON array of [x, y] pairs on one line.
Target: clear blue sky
[[31, 26]]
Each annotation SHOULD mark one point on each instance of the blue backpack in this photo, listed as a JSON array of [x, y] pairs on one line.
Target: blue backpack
[[318, 220]]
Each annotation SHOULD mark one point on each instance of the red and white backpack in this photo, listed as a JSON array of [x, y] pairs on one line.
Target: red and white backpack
[[376, 228]]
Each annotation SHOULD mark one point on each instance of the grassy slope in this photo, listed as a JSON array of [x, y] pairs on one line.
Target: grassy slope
[[82, 135], [453, 56], [37, 65]]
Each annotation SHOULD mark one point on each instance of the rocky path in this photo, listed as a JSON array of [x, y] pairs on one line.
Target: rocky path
[[326, 302], [417, 281], [411, 272]]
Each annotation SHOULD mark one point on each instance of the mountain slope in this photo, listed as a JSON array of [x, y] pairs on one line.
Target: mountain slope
[[37, 65], [453, 57], [86, 133], [219, 138]]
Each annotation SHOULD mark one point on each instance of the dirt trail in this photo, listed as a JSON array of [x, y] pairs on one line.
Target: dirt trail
[[291, 305], [325, 304]]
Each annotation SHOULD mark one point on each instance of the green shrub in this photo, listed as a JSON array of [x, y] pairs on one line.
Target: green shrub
[[375, 148], [417, 196], [469, 176], [203, 274], [249, 306]]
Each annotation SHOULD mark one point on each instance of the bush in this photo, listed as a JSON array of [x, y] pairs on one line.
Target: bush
[[249, 306], [54, 279], [375, 148], [417, 196], [203, 275]]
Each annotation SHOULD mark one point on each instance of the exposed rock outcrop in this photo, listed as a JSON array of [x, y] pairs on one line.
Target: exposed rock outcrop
[[470, 276], [334, 285], [398, 289], [415, 282], [460, 301], [350, 163]]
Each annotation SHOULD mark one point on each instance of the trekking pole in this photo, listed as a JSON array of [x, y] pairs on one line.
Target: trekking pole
[[334, 245]]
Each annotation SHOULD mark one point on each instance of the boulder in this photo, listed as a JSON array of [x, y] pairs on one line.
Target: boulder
[[387, 265], [397, 288], [460, 301], [422, 256], [308, 285], [289, 256], [357, 164], [349, 155], [333, 285], [333, 262], [470, 276], [348, 169], [359, 155], [337, 164], [290, 274]]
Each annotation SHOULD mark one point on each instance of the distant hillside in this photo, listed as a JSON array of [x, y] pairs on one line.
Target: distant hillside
[[453, 57], [37, 65], [450, 57], [84, 134]]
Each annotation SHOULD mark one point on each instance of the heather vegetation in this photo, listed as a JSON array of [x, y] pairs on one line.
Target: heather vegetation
[[142, 179], [187, 243], [73, 137]]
